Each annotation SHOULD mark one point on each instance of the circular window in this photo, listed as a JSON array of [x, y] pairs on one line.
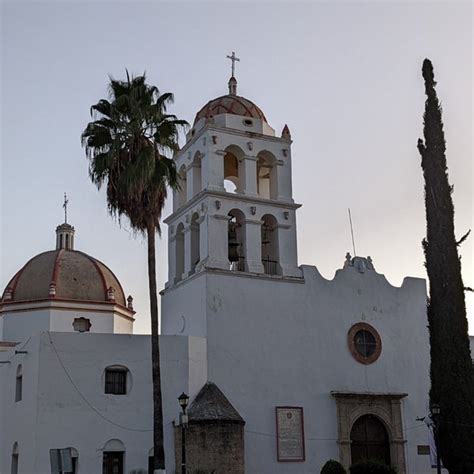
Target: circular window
[[364, 343], [247, 122]]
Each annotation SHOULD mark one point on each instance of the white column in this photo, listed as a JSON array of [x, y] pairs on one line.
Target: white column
[[283, 176], [187, 250], [217, 251], [249, 175], [203, 239], [287, 248], [253, 246], [189, 182], [213, 170], [171, 259]]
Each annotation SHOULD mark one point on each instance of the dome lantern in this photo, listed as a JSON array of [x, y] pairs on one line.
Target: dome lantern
[[65, 231]]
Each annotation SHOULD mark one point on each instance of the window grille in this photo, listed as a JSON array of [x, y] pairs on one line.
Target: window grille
[[116, 381]]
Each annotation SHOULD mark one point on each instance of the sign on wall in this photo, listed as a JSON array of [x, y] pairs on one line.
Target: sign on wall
[[290, 434]]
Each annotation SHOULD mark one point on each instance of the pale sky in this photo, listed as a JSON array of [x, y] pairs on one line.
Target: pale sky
[[345, 77]]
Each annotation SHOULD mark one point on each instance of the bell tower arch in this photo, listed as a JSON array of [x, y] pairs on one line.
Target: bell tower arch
[[234, 211]]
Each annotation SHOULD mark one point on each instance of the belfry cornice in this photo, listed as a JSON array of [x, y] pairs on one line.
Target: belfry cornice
[[232, 196]]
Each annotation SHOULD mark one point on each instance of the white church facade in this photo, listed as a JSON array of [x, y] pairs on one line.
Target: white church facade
[[318, 369]]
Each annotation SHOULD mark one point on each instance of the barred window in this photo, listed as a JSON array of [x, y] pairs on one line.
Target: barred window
[[116, 380]]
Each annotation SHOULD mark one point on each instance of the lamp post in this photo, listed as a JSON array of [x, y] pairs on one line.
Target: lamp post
[[435, 411], [183, 400]]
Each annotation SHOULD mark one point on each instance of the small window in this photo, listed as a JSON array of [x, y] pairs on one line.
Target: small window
[[247, 122], [365, 343], [19, 384], [81, 324], [116, 380]]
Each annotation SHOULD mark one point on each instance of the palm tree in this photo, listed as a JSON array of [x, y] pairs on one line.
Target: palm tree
[[128, 146]]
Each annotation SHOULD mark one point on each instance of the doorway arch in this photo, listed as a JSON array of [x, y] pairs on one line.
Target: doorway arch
[[370, 440]]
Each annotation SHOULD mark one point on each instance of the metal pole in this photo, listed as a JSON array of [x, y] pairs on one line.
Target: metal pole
[[183, 448], [438, 463]]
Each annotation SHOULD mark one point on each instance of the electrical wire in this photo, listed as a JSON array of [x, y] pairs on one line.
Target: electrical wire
[[89, 404]]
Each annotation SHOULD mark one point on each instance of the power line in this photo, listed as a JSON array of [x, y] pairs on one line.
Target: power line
[[92, 407]]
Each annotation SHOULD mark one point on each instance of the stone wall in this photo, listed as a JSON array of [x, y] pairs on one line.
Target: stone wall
[[212, 448]]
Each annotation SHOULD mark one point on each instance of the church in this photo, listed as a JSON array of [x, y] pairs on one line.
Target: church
[[294, 369]]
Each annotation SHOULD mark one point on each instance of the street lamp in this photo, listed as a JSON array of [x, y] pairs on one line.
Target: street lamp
[[183, 400], [435, 411]]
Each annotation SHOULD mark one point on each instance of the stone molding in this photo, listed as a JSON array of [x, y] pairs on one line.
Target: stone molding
[[385, 406]]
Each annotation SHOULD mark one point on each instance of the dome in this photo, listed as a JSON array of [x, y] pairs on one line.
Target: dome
[[64, 274], [230, 104]]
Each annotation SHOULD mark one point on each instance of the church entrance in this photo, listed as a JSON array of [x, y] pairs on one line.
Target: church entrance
[[369, 440]]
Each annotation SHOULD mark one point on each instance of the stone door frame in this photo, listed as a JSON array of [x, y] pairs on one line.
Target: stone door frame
[[385, 406]]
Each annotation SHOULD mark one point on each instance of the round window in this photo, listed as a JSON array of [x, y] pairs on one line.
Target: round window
[[364, 343]]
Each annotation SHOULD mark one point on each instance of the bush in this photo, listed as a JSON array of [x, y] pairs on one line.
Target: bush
[[371, 467], [333, 467]]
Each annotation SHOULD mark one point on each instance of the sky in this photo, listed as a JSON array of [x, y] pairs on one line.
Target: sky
[[345, 77]]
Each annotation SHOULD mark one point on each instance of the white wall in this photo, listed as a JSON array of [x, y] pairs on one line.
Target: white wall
[[55, 413], [278, 342]]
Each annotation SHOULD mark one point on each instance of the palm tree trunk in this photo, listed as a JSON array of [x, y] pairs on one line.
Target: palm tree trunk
[[158, 448]]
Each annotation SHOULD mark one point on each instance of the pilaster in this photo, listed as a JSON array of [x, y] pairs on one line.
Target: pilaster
[[249, 171], [212, 169], [217, 250], [253, 250]]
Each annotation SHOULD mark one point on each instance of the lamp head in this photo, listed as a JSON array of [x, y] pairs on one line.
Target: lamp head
[[183, 400]]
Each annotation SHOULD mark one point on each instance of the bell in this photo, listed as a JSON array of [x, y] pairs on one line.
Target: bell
[[233, 243]]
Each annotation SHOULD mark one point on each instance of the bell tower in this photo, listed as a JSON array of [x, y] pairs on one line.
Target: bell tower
[[234, 211]]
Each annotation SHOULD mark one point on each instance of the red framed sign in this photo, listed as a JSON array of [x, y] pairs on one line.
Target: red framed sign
[[290, 434]]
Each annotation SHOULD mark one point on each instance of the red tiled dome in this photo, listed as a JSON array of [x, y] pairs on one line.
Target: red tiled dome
[[76, 275], [230, 104]]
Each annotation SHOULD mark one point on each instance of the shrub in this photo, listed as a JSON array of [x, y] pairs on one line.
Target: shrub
[[371, 467], [333, 467]]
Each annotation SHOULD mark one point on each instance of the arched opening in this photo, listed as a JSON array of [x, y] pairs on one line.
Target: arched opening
[[370, 440], [232, 169], [236, 240], [182, 192], [266, 175], [113, 457], [15, 455], [19, 384], [179, 256], [270, 256], [197, 176], [195, 251]]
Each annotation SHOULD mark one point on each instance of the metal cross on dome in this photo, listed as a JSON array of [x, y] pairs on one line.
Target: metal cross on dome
[[66, 200], [233, 58]]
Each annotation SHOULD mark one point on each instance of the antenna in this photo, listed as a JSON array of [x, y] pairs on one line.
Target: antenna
[[352, 231]]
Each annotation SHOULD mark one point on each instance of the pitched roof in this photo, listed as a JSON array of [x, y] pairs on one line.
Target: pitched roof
[[211, 404]]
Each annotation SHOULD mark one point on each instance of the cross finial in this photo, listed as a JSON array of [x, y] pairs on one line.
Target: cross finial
[[66, 200], [233, 58]]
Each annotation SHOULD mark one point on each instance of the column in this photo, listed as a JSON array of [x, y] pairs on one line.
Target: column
[[253, 246], [187, 250], [248, 166], [217, 248], [171, 259], [213, 170], [287, 247]]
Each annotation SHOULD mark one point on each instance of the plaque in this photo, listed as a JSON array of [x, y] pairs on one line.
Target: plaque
[[290, 434]]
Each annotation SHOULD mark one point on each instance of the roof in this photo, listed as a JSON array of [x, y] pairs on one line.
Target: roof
[[211, 404], [64, 274], [230, 104]]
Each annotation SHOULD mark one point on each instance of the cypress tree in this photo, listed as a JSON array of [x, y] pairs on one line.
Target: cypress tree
[[451, 371]]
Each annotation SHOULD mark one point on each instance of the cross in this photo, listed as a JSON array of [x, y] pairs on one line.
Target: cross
[[66, 200], [233, 58]]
